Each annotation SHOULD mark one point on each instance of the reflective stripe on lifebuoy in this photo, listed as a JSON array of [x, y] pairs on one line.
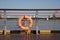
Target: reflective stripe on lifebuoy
[[21, 26]]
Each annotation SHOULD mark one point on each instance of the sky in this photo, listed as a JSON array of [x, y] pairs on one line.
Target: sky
[[23, 4]]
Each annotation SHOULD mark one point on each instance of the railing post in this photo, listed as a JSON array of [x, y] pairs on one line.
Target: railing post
[[36, 22], [5, 22]]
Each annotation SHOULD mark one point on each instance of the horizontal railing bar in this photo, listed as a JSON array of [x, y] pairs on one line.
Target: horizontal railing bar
[[33, 9]]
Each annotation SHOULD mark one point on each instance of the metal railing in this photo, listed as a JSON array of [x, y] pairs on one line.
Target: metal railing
[[6, 15]]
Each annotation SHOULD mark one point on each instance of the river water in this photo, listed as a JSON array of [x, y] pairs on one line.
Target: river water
[[42, 24]]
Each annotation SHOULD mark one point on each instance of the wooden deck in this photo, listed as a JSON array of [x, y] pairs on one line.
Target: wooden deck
[[54, 36]]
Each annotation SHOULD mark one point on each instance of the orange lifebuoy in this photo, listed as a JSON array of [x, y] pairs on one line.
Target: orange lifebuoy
[[21, 26]]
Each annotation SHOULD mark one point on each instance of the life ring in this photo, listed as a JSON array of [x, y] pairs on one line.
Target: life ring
[[27, 27]]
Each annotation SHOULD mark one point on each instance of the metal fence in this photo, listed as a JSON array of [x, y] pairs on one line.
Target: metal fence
[[10, 17]]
